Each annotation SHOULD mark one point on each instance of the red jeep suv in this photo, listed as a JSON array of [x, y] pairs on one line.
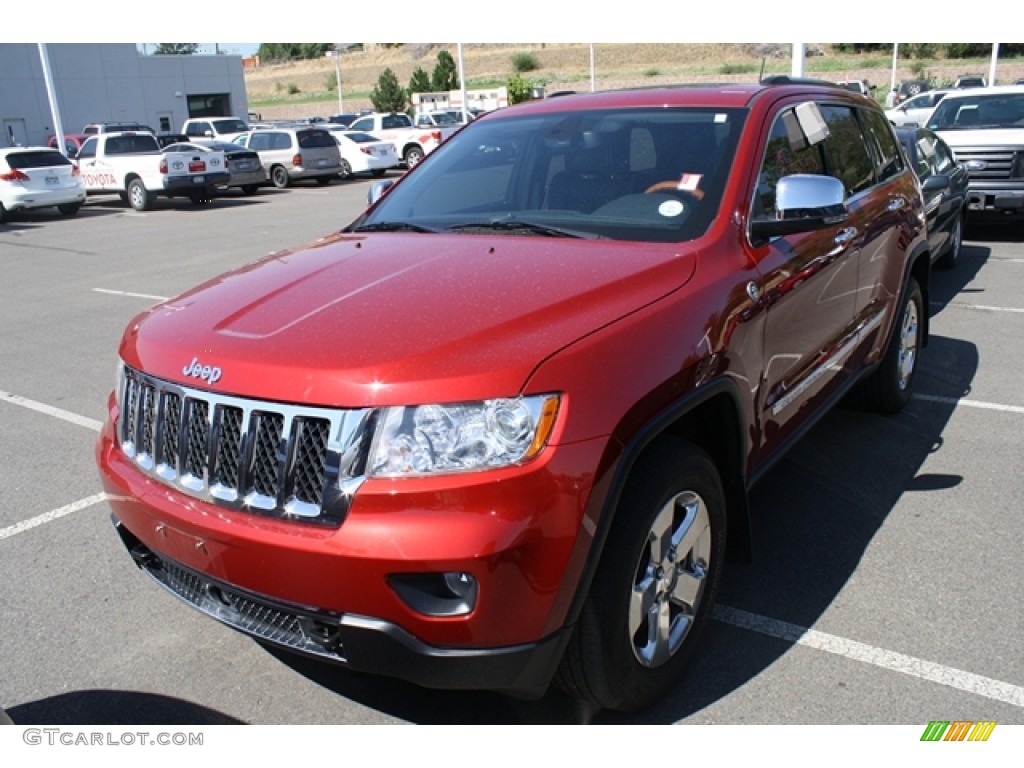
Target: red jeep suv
[[500, 430]]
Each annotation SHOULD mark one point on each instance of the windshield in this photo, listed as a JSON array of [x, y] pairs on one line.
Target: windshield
[[229, 126], [991, 110], [630, 174]]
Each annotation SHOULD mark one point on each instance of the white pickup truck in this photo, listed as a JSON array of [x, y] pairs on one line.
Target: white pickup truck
[[132, 166], [411, 143]]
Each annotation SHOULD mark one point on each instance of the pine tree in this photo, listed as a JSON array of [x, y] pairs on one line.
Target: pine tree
[[388, 95], [445, 77], [420, 82]]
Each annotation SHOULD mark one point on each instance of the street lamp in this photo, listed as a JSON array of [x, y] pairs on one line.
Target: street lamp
[[337, 75]]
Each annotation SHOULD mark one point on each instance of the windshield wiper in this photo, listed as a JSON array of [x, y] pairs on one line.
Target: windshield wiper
[[393, 226], [518, 225]]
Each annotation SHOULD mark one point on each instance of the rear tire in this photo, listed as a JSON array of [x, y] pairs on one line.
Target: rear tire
[[69, 209], [138, 196], [202, 196], [346, 169], [655, 586], [413, 155], [250, 189], [887, 389], [323, 181]]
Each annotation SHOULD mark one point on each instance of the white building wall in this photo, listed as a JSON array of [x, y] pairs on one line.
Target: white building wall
[[108, 82]]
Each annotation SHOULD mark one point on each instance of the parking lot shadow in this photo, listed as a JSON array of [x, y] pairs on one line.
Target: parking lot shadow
[[105, 707]]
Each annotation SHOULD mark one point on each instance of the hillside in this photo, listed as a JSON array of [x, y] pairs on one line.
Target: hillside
[[300, 89]]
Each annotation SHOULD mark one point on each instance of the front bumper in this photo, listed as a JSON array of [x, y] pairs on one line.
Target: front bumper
[[361, 643], [995, 199], [520, 533]]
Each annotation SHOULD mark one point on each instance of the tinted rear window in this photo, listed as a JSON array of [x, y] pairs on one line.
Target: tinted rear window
[[314, 139], [36, 159], [126, 145]]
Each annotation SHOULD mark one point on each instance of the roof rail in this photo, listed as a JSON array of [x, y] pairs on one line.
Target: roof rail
[[787, 80]]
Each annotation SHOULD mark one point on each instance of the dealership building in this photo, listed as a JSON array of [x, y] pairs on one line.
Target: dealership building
[[111, 82]]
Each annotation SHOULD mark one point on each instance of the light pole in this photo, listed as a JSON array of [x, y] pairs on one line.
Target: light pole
[[337, 76]]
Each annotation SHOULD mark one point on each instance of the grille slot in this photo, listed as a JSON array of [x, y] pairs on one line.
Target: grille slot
[[999, 164], [293, 462]]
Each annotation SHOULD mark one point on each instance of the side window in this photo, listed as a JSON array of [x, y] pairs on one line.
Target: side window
[[786, 153], [88, 149], [366, 124], [259, 141], [943, 157], [280, 141], [889, 161], [846, 154]]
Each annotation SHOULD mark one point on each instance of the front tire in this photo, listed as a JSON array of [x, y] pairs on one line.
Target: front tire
[[279, 176], [653, 594], [887, 389]]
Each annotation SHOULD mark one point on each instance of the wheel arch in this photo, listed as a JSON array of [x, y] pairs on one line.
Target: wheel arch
[[711, 419]]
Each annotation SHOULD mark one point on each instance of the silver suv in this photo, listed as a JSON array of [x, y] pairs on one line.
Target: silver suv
[[290, 154]]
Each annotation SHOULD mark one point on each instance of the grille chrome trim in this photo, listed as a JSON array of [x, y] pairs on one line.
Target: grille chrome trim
[[285, 461]]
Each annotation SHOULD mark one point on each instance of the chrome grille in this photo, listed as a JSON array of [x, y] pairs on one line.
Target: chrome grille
[[989, 164], [268, 458]]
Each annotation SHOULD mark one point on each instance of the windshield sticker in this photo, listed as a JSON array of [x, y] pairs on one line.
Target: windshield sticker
[[670, 208]]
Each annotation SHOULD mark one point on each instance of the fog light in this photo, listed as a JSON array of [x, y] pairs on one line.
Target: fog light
[[453, 593]]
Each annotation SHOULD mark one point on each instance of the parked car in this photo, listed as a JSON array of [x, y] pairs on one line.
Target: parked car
[[985, 129], [116, 127], [439, 119], [363, 153], [909, 88], [970, 81], [243, 164], [219, 128], [944, 183], [347, 118], [38, 177], [292, 154], [863, 87], [915, 110], [501, 428], [72, 143], [166, 139]]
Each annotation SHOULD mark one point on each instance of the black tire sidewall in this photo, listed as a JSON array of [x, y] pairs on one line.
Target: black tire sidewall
[[623, 683]]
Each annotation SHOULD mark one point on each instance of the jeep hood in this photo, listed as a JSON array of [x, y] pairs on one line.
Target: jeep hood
[[379, 319]]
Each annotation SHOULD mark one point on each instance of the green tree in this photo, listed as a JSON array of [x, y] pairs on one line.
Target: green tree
[[419, 82], [445, 77], [176, 48], [387, 94]]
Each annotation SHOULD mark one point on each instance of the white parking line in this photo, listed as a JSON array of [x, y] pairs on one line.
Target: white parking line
[[129, 293], [49, 410], [978, 307], [877, 657], [53, 514], [970, 403]]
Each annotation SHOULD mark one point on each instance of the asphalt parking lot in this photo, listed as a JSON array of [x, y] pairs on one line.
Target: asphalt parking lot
[[885, 586]]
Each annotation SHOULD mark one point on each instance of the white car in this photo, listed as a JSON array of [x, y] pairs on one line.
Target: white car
[[38, 177], [364, 153], [915, 110]]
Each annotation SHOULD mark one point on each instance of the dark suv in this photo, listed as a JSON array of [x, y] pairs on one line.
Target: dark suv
[[501, 428]]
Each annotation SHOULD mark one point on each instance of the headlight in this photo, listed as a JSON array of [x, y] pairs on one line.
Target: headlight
[[461, 437]]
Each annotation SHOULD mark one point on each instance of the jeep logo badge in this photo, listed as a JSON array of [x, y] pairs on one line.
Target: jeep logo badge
[[208, 373]]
